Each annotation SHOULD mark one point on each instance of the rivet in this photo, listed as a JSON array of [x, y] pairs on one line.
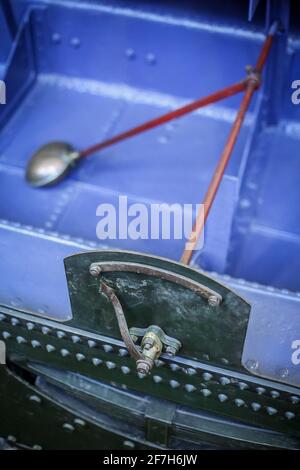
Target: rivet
[[2, 317], [68, 427], [224, 381], [96, 361], [191, 371], [35, 398], [260, 390], [79, 422], [64, 352], [125, 370], [45, 330], [289, 415], [50, 348], [107, 348], [207, 376], [35, 344], [274, 394], [37, 447], [255, 406], [123, 352], [190, 388], [130, 53], [91, 343], [157, 379], [60, 334], [174, 367], [56, 39], [80, 357], [151, 59], [294, 399], [242, 386], [271, 411], [75, 339], [174, 383], [15, 321], [6, 334], [163, 139], [30, 326], [110, 365], [245, 203], [205, 392], [159, 363], [129, 444], [239, 402], [11, 439], [283, 373], [141, 375], [224, 360], [21, 340], [222, 397], [75, 42]]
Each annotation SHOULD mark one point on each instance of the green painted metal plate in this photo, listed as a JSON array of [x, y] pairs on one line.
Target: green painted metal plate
[[158, 291]]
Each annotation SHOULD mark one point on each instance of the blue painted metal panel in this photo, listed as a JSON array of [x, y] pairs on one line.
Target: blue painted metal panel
[[82, 71]]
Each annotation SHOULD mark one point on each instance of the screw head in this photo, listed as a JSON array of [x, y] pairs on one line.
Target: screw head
[[213, 301], [95, 270], [143, 367], [171, 350]]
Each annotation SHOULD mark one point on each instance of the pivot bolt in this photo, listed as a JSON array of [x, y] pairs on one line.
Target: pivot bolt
[[143, 367], [171, 350], [213, 301], [95, 270]]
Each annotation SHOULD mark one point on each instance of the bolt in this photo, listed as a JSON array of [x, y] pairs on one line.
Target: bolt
[[213, 301], [95, 270], [171, 350], [148, 343], [143, 367]]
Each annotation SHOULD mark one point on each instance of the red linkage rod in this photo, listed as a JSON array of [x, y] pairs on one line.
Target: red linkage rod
[[253, 82], [219, 95]]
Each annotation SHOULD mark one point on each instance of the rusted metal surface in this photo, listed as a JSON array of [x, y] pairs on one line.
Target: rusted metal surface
[[109, 292], [213, 297]]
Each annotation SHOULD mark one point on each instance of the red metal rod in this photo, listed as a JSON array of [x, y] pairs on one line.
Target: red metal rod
[[204, 210], [219, 95]]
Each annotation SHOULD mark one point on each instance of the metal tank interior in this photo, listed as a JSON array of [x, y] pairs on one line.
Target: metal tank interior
[[116, 344]]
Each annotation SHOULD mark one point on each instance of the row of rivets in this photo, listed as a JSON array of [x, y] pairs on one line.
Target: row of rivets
[[223, 398], [122, 352]]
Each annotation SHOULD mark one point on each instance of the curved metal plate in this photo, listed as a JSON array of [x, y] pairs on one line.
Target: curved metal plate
[[175, 301]]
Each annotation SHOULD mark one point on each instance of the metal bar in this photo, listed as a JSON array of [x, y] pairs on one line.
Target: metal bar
[[217, 96], [252, 85], [213, 297]]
